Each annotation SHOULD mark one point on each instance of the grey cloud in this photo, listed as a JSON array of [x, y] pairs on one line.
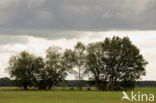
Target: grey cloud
[[45, 33], [7, 39], [24, 16]]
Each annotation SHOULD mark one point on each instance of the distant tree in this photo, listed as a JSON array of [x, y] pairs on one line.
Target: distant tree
[[5, 81], [79, 51], [58, 64], [114, 60], [21, 68]]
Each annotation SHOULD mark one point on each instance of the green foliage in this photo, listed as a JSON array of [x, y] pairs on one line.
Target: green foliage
[[114, 63], [114, 60], [127, 85], [21, 68], [79, 51], [57, 65]]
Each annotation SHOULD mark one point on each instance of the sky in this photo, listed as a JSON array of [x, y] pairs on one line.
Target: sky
[[35, 25]]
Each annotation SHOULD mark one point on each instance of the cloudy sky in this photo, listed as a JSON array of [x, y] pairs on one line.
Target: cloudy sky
[[34, 25]]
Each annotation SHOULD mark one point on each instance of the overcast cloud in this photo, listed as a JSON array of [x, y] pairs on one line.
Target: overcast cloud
[[32, 16]]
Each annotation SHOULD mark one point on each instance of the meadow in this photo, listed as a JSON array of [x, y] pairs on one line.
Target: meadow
[[65, 95]]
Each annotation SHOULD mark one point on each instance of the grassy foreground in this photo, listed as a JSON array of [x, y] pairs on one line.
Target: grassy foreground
[[11, 95]]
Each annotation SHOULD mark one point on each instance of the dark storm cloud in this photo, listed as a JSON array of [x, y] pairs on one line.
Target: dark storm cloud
[[33, 17]]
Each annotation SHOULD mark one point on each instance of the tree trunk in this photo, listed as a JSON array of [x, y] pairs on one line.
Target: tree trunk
[[25, 87], [80, 82]]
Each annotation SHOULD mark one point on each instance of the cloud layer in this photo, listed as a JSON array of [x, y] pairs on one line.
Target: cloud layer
[[32, 17]]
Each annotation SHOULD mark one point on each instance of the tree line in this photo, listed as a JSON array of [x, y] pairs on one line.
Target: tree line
[[114, 64], [8, 82]]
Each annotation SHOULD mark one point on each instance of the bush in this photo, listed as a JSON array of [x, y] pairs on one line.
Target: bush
[[72, 89], [88, 89]]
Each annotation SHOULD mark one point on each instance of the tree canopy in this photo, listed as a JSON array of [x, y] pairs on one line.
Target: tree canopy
[[115, 63], [21, 67]]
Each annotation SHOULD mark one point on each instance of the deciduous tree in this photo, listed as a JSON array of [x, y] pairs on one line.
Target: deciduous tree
[[21, 68], [113, 61]]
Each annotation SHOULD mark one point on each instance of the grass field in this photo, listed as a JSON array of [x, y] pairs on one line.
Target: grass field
[[13, 95]]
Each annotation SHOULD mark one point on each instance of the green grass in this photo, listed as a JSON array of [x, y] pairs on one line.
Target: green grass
[[14, 95]]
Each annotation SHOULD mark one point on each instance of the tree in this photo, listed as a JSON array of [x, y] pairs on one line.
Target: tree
[[80, 62], [113, 62], [58, 64], [39, 73], [21, 68]]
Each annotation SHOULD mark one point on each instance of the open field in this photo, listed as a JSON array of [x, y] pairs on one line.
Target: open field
[[13, 95]]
